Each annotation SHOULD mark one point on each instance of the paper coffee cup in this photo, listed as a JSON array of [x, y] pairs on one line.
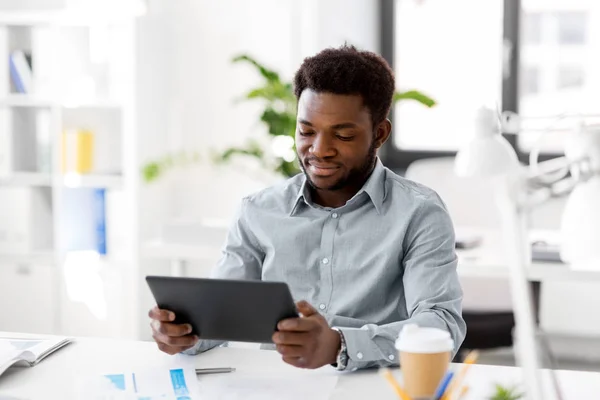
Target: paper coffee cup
[[425, 355]]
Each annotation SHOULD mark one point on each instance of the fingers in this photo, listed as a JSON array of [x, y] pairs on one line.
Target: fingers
[[169, 329], [290, 338], [183, 341], [165, 348], [306, 309], [161, 315], [295, 361], [172, 344], [297, 324], [290, 351]]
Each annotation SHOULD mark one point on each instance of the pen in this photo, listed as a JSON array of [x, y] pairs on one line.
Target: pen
[[206, 371], [455, 385], [443, 386]]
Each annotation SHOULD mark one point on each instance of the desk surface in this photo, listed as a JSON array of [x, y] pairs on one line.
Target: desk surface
[[488, 260], [55, 377]]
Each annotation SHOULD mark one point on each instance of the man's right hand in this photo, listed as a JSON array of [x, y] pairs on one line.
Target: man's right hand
[[171, 338]]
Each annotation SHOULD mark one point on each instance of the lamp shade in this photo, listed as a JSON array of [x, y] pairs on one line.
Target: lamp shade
[[488, 153], [580, 244]]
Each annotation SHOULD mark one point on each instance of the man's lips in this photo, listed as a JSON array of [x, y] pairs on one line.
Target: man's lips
[[321, 169]]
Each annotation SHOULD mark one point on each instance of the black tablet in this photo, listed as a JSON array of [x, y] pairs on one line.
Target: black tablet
[[231, 310]]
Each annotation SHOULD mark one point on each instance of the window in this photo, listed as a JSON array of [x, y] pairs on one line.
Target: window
[[453, 56], [571, 27], [568, 72], [570, 77], [532, 28], [464, 54], [530, 81]]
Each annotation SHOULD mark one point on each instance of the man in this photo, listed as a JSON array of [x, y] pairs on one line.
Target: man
[[363, 249]]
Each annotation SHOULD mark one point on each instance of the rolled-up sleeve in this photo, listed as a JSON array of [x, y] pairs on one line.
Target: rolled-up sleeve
[[241, 258], [432, 292]]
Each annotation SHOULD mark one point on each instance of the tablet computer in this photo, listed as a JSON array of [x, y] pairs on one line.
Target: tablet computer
[[230, 310]]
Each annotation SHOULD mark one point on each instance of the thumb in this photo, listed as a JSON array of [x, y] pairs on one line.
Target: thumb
[[305, 308]]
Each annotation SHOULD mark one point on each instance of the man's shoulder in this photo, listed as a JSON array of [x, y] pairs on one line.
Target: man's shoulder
[[402, 186], [278, 196]]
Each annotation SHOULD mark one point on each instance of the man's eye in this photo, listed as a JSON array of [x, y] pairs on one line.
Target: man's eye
[[345, 138], [306, 133]]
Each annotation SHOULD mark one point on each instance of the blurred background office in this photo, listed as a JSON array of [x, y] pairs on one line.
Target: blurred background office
[[130, 130]]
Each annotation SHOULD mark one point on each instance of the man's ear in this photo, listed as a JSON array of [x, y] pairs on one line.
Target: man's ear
[[382, 132]]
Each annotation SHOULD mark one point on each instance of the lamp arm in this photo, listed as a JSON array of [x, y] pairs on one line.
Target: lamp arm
[[515, 232], [537, 188]]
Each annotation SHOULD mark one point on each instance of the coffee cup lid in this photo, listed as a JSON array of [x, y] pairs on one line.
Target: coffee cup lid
[[414, 339]]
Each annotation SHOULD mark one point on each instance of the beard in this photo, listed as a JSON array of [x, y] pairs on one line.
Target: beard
[[356, 176]]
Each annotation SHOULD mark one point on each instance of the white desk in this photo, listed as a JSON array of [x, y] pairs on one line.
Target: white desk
[[488, 261], [55, 377]]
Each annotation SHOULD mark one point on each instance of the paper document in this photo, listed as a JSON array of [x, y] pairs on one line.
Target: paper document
[[238, 386], [27, 352], [150, 384]]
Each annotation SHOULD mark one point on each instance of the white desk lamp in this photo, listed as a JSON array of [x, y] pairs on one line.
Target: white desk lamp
[[521, 189]]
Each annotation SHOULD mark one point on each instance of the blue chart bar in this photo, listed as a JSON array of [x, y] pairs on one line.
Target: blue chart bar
[[135, 390], [117, 380], [179, 386]]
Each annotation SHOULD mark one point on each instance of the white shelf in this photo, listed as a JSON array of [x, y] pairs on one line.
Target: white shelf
[[26, 179], [63, 18], [32, 101], [93, 181], [38, 256]]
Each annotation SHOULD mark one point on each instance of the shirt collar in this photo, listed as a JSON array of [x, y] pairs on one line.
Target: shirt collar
[[374, 187]]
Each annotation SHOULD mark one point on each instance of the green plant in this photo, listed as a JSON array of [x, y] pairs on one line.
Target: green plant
[[279, 117], [506, 393]]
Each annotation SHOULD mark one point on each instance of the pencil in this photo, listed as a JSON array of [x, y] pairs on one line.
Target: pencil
[[385, 372], [463, 392], [457, 382]]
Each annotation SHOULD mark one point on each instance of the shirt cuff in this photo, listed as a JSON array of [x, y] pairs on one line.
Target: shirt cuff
[[202, 346], [363, 352]]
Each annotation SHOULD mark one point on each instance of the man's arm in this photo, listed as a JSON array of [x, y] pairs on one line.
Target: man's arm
[[242, 258], [431, 287]]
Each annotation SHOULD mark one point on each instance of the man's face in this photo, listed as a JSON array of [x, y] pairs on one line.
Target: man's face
[[335, 139]]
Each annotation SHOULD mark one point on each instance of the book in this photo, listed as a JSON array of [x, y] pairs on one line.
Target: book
[[18, 352], [77, 151], [100, 220], [20, 71]]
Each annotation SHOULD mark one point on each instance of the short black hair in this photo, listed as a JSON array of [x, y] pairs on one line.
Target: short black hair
[[348, 71]]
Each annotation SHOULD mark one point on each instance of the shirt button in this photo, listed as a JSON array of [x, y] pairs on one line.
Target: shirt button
[[359, 355], [322, 306], [334, 215], [391, 357], [325, 260]]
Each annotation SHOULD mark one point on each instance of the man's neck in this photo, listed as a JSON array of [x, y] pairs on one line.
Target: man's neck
[[338, 198]]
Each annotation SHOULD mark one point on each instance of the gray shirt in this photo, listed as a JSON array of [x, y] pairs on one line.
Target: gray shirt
[[384, 259]]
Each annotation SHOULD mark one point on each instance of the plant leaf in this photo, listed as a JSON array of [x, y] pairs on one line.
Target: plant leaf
[[279, 123], [416, 96], [273, 91], [268, 74]]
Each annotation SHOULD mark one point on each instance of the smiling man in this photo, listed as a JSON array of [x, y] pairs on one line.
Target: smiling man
[[363, 250]]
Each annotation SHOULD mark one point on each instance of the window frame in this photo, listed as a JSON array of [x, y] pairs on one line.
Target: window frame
[[398, 159]]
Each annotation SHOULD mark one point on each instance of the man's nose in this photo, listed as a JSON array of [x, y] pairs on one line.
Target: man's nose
[[322, 146]]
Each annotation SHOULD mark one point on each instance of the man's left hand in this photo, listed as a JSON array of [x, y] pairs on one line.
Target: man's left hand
[[307, 341]]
